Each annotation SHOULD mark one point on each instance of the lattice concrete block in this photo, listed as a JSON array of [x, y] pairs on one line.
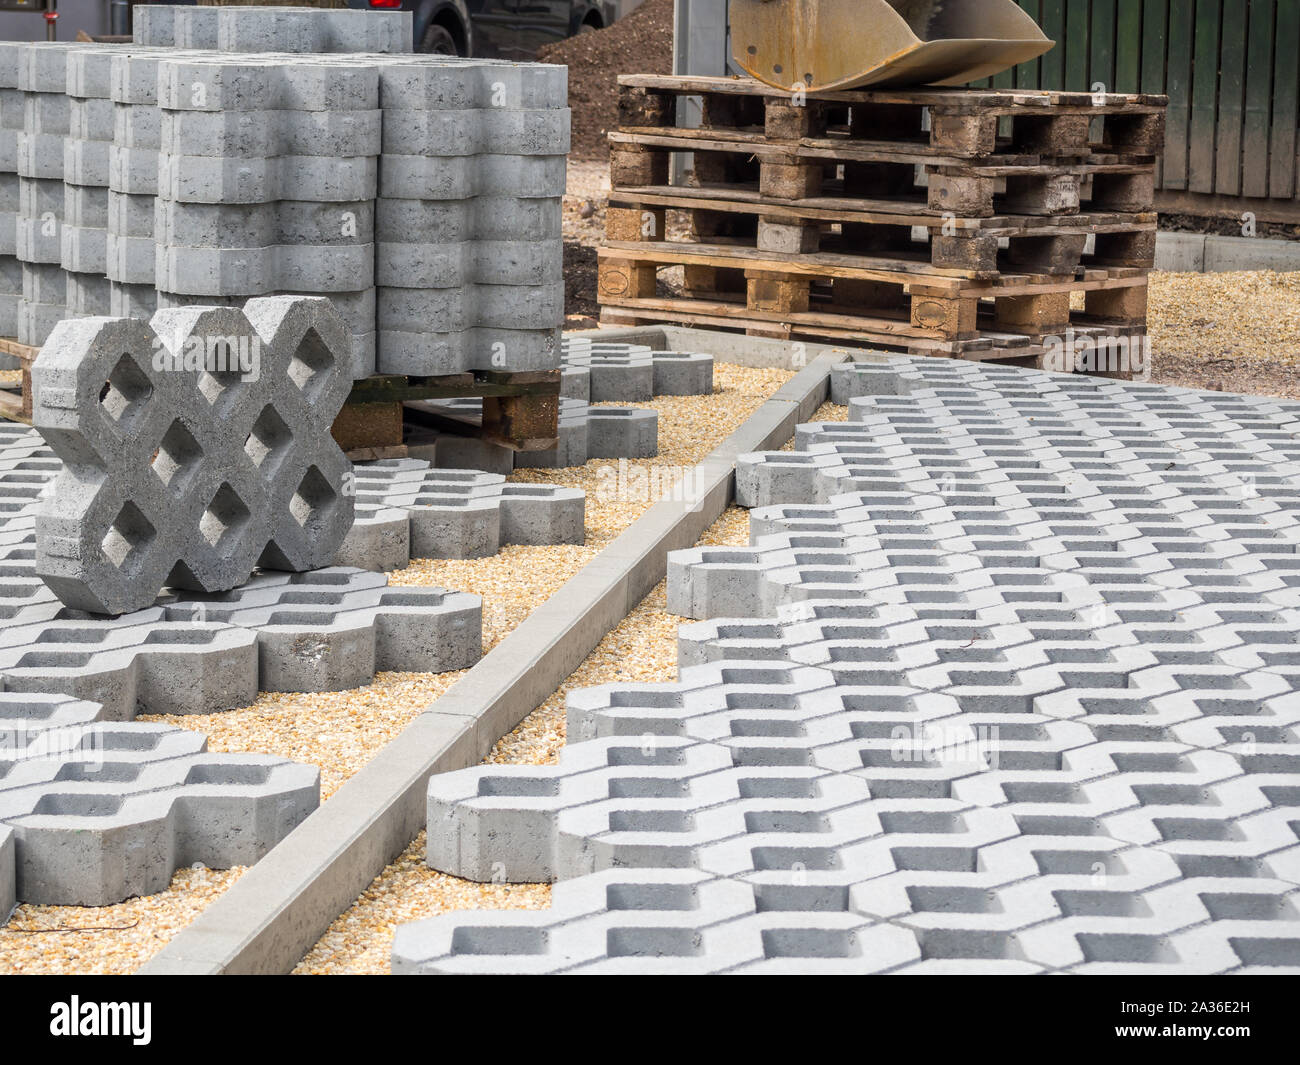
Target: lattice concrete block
[[94, 813], [158, 489], [452, 514]]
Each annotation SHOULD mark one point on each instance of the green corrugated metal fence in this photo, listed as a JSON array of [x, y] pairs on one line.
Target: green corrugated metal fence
[[1231, 69]]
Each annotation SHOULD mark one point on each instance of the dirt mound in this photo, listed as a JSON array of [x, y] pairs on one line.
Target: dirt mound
[[641, 43]]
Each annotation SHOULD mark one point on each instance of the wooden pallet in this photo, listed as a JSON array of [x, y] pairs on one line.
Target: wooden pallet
[[879, 233], [962, 123], [16, 403], [816, 296], [800, 214]]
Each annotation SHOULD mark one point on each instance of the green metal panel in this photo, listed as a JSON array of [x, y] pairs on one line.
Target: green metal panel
[[1205, 91], [1259, 81], [1286, 49], [1155, 40], [1028, 74], [1052, 64], [1101, 59], [1128, 45], [1232, 92], [1179, 86], [1231, 69], [1075, 40]]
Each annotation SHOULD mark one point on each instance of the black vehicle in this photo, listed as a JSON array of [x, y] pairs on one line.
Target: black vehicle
[[505, 29]]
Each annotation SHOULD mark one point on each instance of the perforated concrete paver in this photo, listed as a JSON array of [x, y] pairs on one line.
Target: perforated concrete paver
[[93, 812], [1004, 683], [407, 509]]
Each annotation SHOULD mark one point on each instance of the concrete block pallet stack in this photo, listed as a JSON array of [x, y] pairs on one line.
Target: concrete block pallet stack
[[467, 269], [133, 181], [84, 234], [266, 184], [803, 211], [231, 153], [11, 124], [42, 77]]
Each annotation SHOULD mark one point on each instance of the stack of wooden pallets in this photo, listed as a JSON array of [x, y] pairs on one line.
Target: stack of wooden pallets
[[804, 212]]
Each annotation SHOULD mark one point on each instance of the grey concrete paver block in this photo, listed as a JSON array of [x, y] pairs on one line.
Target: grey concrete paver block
[[92, 813], [1001, 684], [452, 513]]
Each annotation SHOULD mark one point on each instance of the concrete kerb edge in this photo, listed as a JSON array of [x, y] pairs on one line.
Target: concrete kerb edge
[[282, 906]]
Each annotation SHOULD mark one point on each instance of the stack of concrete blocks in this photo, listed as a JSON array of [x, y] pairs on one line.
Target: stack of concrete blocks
[[267, 180], [272, 29], [468, 267], [43, 79], [11, 124], [84, 235], [133, 180]]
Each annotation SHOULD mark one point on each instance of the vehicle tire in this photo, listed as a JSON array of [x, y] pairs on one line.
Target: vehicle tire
[[439, 41]]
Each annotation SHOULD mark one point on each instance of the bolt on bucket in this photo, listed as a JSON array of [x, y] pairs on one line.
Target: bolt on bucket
[[844, 44]]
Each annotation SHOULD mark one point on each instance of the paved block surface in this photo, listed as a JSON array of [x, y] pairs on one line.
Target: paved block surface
[[1005, 683], [92, 813]]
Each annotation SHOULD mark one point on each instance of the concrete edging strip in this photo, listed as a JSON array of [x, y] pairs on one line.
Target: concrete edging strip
[[281, 907]]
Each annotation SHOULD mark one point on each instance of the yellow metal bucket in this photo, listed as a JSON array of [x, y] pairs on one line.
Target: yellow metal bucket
[[845, 44]]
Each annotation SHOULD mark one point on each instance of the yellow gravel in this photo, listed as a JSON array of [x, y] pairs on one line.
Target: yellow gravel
[[79, 940], [1253, 315], [341, 731]]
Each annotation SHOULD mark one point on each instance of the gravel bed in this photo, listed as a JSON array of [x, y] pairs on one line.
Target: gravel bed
[[106, 940]]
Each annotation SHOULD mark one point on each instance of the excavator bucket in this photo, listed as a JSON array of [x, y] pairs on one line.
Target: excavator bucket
[[845, 44]]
